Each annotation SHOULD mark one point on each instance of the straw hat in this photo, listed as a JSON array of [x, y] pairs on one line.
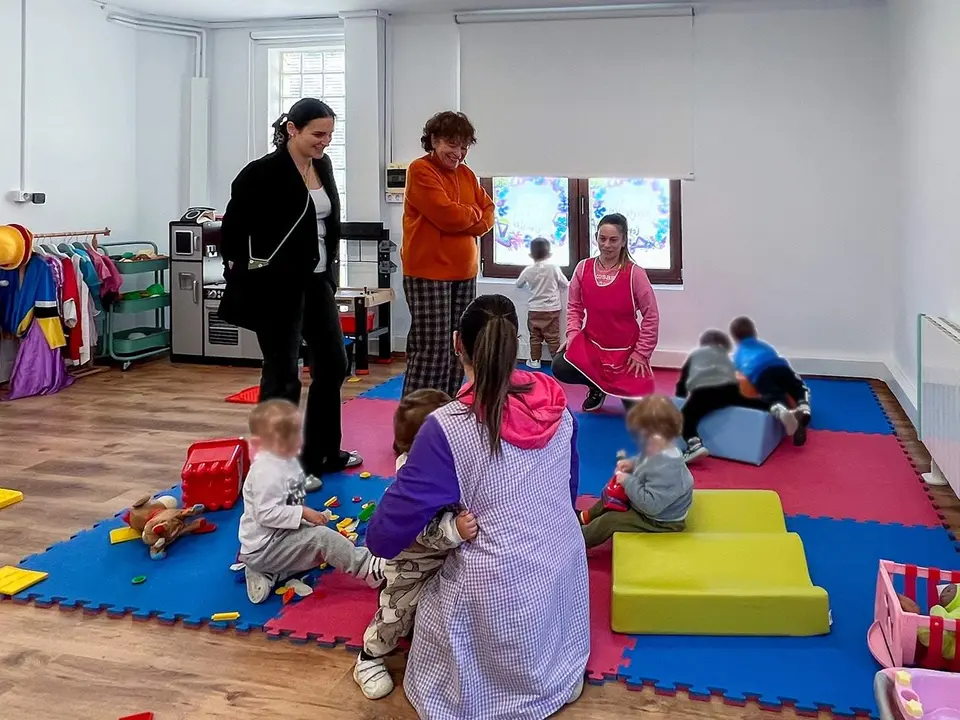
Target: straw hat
[[13, 247]]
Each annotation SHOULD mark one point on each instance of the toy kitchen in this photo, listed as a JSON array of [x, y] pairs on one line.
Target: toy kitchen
[[196, 280]]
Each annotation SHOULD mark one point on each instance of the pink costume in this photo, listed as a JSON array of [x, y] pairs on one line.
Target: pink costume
[[603, 331]]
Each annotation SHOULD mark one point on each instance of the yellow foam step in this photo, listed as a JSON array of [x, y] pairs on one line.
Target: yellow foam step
[[9, 497], [14, 579], [736, 511], [715, 584]]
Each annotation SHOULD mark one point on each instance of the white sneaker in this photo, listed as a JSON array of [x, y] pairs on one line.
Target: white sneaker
[[312, 483], [373, 572], [373, 678], [577, 691], [259, 586], [789, 420], [533, 364]]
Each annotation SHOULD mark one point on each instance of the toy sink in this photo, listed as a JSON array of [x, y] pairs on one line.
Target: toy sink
[[914, 694]]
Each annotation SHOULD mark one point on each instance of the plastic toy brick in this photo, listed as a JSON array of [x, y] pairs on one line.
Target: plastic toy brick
[[344, 524], [367, 511], [123, 534], [224, 616], [366, 475], [213, 473], [14, 579], [357, 498], [9, 497], [139, 716], [332, 502]]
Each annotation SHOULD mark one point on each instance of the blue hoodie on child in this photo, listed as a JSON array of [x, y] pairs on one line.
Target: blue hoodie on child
[[753, 356]]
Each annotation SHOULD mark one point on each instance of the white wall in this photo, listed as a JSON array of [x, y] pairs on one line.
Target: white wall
[[926, 63], [790, 216], [81, 114]]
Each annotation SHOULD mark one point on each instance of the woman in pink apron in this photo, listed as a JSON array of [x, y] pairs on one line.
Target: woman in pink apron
[[612, 322]]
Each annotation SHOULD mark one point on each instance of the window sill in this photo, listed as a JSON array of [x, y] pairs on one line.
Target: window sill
[[508, 281]]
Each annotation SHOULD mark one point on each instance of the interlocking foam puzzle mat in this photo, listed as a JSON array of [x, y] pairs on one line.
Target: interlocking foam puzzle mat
[[851, 493]]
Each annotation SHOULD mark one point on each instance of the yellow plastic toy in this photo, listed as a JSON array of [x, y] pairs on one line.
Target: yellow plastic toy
[[123, 534], [221, 617], [14, 579], [9, 497], [734, 571]]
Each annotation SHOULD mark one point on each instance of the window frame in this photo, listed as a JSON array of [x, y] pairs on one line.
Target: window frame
[[579, 229]]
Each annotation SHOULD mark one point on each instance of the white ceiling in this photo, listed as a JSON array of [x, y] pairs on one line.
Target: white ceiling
[[239, 10]]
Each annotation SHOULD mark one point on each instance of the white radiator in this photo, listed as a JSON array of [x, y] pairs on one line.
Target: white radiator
[[938, 397]]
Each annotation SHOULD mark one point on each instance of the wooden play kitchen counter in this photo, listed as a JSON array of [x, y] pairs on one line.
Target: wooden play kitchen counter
[[365, 314]]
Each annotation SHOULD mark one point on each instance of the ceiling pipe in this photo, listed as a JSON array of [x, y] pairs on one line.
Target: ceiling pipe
[[199, 36]]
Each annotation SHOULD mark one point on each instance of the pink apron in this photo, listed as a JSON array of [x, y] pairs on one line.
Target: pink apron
[[609, 335]]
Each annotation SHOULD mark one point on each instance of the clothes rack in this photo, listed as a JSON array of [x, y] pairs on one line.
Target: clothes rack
[[75, 233]]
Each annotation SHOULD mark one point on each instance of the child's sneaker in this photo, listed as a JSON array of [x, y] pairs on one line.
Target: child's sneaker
[[312, 483], [576, 693], [594, 401], [803, 413], [695, 450], [372, 572], [259, 586], [787, 418], [373, 678], [533, 364]]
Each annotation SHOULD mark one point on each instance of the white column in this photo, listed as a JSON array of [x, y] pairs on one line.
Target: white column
[[364, 35]]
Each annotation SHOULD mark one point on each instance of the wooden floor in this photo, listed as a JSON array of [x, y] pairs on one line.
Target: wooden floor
[[88, 452]]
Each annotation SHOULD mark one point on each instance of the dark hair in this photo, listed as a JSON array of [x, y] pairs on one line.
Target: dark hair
[[448, 125], [539, 248], [488, 330], [656, 415], [301, 113], [716, 338], [742, 328], [620, 223], [275, 418], [411, 414]]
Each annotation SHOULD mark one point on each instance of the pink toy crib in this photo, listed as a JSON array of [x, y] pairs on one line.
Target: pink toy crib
[[914, 694], [893, 636]]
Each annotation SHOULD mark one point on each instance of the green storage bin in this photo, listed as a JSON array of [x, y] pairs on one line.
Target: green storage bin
[[140, 266], [144, 339], [141, 304]]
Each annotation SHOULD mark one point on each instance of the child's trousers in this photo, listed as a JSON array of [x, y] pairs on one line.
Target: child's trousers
[[294, 551], [704, 401], [602, 524], [406, 576], [780, 384], [544, 327]]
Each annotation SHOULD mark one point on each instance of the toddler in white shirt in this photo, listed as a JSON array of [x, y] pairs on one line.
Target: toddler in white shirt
[[546, 283], [279, 535]]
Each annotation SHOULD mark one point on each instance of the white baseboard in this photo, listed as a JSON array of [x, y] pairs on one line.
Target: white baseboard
[[905, 390]]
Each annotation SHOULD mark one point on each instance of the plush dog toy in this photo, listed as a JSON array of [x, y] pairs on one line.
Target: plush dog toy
[[160, 521]]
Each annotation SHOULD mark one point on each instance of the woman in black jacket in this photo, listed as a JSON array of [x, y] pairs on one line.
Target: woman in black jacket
[[280, 240]]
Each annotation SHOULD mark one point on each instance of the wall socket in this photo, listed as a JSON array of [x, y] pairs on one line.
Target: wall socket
[[22, 196]]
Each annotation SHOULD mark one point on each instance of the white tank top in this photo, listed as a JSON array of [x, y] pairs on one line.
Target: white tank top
[[321, 201]]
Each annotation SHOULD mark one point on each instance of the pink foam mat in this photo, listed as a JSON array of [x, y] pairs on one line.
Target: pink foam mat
[[338, 611], [844, 476], [368, 429]]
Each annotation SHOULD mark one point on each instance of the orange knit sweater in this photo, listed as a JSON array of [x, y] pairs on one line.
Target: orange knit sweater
[[443, 214]]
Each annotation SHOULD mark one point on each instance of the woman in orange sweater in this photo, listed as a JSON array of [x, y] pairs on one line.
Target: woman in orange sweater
[[444, 212]]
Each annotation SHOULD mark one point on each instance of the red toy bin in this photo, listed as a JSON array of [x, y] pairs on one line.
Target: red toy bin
[[214, 472], [893, 636], [348, 322]]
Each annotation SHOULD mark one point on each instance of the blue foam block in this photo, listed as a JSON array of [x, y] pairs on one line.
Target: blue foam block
[[835, 670], [740, 434], [846, 406], [192, 583]]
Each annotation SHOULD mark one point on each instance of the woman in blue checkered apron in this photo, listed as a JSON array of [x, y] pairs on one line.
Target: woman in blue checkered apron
[[502, 631]]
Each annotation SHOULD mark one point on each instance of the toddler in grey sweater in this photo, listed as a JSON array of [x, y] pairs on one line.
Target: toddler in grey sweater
[[708, 380], [657, 483]]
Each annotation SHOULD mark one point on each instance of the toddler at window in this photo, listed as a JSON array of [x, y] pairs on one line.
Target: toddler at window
[[546, 283]]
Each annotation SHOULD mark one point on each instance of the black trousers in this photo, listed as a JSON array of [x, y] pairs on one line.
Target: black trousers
[[780, 384], [565, 372], [704, 401], [316, 322]]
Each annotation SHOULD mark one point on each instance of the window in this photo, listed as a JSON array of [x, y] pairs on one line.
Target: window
[[317, 72], [566, 212]]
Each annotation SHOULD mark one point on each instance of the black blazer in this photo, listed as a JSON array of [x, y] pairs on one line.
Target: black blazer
[[272, 216]]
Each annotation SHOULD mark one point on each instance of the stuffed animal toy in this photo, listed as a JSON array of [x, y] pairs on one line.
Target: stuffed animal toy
[[160, 521]]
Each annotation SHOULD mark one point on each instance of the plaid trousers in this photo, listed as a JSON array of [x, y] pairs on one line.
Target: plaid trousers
[[435, 310]]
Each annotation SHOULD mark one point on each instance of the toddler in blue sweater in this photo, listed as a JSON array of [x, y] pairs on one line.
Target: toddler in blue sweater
[[770, 374], [657, 483]]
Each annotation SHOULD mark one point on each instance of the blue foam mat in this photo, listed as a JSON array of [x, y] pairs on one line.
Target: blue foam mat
[[833, 671], [392, 389], [192, 583], [846, 406], [600, 438]]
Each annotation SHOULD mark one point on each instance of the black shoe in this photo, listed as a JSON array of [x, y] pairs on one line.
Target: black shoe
[[800, 436], [337, 464], [594, 401]]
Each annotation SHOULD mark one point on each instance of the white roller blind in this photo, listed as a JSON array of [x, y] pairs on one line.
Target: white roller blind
[[580, 98]]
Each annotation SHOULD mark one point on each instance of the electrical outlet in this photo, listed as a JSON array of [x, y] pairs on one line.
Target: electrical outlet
[[394, 198], [19, 196]]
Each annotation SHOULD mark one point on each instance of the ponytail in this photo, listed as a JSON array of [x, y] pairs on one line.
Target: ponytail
[[280, 132], [488, 329]]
